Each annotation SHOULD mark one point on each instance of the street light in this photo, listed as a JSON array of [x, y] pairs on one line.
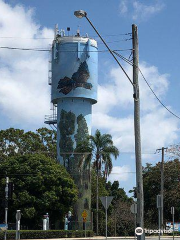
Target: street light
[[80, 13], [139, 180]]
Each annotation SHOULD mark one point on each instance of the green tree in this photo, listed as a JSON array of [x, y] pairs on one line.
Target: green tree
[[117, 192], [102, 192], [82, 131], [119, 213], [101, 150], [120, 220], [41, 185], [151, 178], [67, 128], [17, 142]]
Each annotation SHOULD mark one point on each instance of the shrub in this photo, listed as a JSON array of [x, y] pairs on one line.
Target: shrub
[[40, 234]]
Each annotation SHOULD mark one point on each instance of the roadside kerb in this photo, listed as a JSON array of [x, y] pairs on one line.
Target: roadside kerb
[[110, 238]]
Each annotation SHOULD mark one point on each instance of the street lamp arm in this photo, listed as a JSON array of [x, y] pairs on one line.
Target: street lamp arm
[[108, 49]]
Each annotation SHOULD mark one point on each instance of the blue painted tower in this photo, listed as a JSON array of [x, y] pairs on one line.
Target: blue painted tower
[[74, 91]]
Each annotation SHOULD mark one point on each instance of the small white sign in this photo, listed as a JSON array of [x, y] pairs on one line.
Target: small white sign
[[133, 208]]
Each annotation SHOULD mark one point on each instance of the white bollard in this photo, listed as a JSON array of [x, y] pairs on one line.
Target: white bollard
[[66, 223], [47, 223], [44, 224], [18, 217]]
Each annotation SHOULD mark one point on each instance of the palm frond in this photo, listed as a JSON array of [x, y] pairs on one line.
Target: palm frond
[[106, 140], [112, 150]]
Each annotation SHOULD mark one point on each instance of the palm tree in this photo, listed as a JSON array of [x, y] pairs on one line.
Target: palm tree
[[99, 150]]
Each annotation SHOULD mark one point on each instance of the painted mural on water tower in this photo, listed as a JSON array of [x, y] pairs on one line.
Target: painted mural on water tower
[[74, 91]]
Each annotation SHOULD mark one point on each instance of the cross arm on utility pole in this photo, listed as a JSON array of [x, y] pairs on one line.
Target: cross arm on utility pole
[[161, 149]]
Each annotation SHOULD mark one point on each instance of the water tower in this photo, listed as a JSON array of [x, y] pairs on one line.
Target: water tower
[[73, 79]]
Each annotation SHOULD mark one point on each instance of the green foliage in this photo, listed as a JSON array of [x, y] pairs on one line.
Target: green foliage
[[81, 136], [82, 131], [151, 178], [41, 185], [118, 211], [81, 176], [117, 192], [122, 217], [39, 234], [102, 192], [67, 128], [102, 188], [67, 123], [68, 140], [16, 141], [101, 149]]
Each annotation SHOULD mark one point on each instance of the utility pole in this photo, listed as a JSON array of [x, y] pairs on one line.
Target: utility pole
[[162, 188], [97, 200], [6, 207], [115, 224], [172, 212], [159, 201], [139, 179], [106, 214]]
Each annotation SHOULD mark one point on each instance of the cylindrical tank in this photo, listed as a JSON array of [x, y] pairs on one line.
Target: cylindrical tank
[[74, 90], [74, 68]]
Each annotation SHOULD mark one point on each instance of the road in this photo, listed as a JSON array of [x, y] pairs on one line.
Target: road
[[114, 238]]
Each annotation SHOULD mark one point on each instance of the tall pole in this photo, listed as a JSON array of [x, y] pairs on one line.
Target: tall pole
[[159, 213], [6, 207], [159, 221], [139, 179], [92, 221], [172, 212], [173, 222], [115, 224], [162, 189], [97, 201], [106, 215]]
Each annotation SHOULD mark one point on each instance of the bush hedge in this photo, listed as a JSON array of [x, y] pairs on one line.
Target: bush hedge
[[40, 234]]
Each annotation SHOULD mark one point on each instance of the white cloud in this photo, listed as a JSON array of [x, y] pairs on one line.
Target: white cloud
[[123, 6], [120, 174], [114, 111], [24, 90], [140, 11], [143, 11], [25, 95]]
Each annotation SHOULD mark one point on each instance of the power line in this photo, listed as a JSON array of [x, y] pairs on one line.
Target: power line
[[123, 58], [157, 97], [24, 38], [120, 40], [115, 52], [26, 49], [87, 153], [39, 38], [113, 35], [129, 62], [48, 50]]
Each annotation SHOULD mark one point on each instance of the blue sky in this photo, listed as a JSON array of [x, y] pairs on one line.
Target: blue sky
[[25, 95]]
